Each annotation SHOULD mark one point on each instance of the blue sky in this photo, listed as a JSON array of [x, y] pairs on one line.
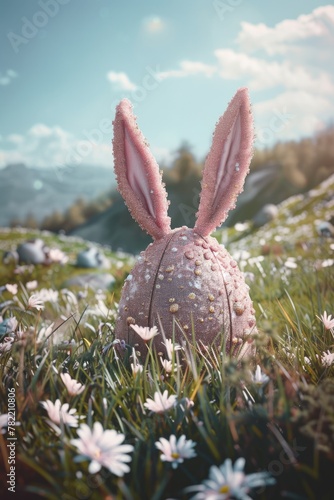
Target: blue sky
[[64, 64]]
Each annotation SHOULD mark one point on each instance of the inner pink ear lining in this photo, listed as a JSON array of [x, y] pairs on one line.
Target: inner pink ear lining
[[225, 170], [136, 179]]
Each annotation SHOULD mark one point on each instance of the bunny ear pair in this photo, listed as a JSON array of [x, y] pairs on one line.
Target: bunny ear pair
[[226, 166]]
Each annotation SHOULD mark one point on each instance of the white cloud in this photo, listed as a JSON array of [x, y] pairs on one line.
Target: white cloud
[[290, 62], [263, 74], [7, 77], [291, 114], [287, 35], [44, 146], [121, 81], [188, 68], [153, 24]]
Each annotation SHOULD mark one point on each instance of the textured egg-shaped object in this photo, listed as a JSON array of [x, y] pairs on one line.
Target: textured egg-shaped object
[[193, 280], [185, 283]]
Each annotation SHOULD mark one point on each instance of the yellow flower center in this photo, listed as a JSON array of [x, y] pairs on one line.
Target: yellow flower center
[[175, 455], [97, 454], [224, 489]]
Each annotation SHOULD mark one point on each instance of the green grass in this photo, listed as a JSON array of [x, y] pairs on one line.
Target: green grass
[[285, 427]]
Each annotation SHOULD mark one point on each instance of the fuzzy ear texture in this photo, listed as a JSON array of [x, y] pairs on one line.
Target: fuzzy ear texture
[[227, 164], [138, 177]]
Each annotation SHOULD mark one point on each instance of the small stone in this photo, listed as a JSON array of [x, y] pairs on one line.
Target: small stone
[[211, 309], [174, 308], [238, 308], [185, 327], [233, 263], [171, 299], [169, 279], [251, 322], [214, 267], [157, 286], [207, 256], [198, 262], [160, 276], [205, 245], [130, 320], [189, 254], [198, 272], [169, 269], [192, 296], [174, 249], [211, 297]]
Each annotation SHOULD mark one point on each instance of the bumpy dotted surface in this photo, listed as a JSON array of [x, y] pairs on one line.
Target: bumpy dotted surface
[[193, 280]]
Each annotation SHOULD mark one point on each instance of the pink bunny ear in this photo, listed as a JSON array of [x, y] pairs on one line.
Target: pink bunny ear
[[138, 176], [227, 164]]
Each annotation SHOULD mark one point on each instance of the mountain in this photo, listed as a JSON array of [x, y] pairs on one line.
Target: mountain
[[40, 192], [115, 226]]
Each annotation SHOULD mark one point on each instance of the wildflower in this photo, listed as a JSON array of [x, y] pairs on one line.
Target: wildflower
[[188, 403], [327, 320], [35, 302], [170, 347], [44, 332], [290, 264], [11, 288], [73, 386], [167, 365], [103, 448], [161, 402], [31, 285], [48, 295], [136, 368], [175, 451], [145, 332], [259, 378], [58, 412], [327, 358], [230, 481], [3, 423], [6, 345], [57, 256]]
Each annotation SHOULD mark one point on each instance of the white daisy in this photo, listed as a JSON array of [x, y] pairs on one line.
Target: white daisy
[[327, 320], [73, 386], [136, 368], [259, 378], [168, 366], [170, 347], [6, 344], [11, 288], [327, 358], [175, 451], [58, 412], [145, 332], [160, 402], [31, 285], [3, 423], [230, 481], [103, 448], [35, 302]]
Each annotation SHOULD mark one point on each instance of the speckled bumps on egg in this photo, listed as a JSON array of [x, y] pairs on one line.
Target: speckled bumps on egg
[[185, 281]]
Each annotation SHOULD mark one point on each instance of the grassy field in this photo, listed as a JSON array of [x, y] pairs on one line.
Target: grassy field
[[275, 412]]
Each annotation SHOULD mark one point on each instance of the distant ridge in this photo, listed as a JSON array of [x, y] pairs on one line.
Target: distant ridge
[[40, 191]]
